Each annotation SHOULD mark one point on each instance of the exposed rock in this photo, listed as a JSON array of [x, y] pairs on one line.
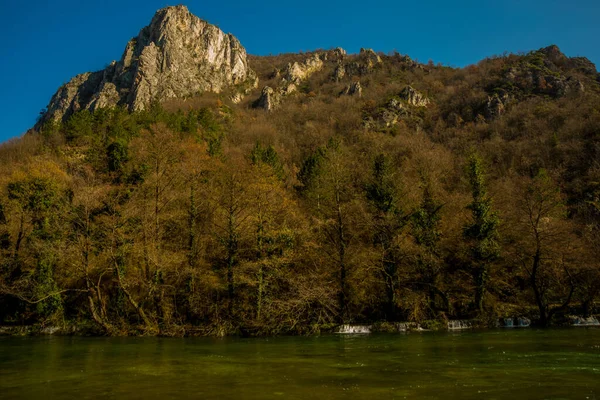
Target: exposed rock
[[369, 56], [352, 90], [409, 63], [388, 118], [339, 73], [336, 54], [396, 105], [287, 89], [559, 87], [275, 74], [366, 61], [399, 108], [271, 98], [413, 97], [553, 54], [583, 64], [296, 72], [355, 89], [543, 72], [495, 106], [293, 75], [267, 99], [339, 52], [237, 98], [177, 55]]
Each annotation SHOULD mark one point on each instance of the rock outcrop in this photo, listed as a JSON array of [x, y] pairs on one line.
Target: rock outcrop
[[293, 75], [413, 97], [495, 106], [177, 55], [547, 72], [354, 89], [297, 72], [366, 61], [337, 54], [403, 107], [339, 72]]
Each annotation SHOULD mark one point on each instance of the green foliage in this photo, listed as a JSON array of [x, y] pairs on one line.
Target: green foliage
[[312, 166], [117, 154], [79, 125], [38, 196], [381, 191], [483, 231], [425, 221], [267, 155], [46, 290], [311, 169]]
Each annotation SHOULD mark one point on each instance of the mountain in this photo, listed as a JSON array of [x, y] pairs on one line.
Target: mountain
[[177, 55], [173, 194]]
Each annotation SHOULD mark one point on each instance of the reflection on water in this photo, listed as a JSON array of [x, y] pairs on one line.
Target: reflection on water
[[493, 364]]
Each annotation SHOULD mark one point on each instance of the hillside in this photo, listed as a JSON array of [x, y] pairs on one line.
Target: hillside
[[338, 188]]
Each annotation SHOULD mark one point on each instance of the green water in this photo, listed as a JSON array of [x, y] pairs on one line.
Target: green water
[[508, 364]]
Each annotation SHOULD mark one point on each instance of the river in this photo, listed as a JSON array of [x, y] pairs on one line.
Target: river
[[498, 364]]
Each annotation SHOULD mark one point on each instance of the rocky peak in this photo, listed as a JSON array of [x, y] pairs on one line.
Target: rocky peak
[[553, 53], [366, 61], [176, 56]]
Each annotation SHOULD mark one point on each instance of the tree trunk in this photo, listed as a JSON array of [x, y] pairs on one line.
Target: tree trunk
[[341, 258], [481, 277], [539, 300]]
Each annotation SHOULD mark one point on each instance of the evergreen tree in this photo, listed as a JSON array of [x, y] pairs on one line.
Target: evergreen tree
[[482, 232]]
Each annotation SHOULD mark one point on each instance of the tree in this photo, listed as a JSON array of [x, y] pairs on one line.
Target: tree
[[482, 232], [230, 223], [425, 229], [328, 181], [39, 199], [545, 246], [388, 221]]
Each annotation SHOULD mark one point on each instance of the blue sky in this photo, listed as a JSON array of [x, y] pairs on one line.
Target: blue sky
[[45, 43]]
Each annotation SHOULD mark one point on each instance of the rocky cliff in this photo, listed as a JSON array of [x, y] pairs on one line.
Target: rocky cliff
[[177, 55]]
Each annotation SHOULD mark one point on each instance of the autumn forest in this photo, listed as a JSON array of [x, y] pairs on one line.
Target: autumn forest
[[200, 216]]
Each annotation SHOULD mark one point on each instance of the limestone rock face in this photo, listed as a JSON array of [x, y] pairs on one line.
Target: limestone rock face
[[293, 75], [296, 73], [402, 107], [339, 72], [177, 55], [366, 61], [354, 89], [336, 54], [413, 97], [267, 99]]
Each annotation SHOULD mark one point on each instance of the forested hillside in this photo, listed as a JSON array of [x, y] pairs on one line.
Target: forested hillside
[[376, 189]]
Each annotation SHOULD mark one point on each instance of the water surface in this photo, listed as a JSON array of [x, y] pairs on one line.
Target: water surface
[[507, 364]]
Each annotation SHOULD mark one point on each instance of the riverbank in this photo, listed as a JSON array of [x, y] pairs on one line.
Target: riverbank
[[377, 327]]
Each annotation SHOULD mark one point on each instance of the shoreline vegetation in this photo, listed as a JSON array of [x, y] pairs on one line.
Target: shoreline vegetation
[[377, 327], [202, 217]]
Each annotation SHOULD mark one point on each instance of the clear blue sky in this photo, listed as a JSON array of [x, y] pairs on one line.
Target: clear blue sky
[[45, 43]]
